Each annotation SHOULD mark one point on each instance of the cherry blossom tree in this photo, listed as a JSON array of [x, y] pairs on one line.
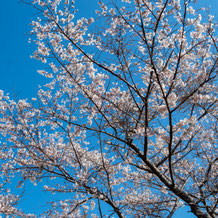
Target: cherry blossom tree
[[126, 125]]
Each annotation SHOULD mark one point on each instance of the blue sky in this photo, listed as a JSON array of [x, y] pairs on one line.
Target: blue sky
[[18, 74]]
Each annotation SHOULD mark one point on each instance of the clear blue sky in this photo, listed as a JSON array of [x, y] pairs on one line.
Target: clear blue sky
[[17, 71], [18, 74]]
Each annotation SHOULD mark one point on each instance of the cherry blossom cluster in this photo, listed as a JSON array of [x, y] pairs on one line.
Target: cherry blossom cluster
[[126, 124]]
